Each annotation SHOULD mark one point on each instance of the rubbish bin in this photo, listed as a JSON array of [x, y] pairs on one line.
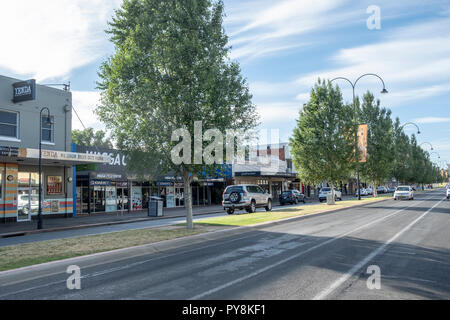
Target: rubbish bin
[[155, 209]]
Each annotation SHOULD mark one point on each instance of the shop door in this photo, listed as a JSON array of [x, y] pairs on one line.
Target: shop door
[[179, 197], [27, 196], [122, 199], [100, 199]]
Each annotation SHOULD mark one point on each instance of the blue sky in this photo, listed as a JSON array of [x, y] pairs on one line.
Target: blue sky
[[283, 47]]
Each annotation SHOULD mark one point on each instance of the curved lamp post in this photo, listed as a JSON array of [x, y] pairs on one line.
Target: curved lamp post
[[411, 123], [439, 156], [428, 144], [353, 84], [47, 122]]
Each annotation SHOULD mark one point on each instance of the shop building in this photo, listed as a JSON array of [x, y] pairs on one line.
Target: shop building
[[110, 187], [270, 167], [23, 121]]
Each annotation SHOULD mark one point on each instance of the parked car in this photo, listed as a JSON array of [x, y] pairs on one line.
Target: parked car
[[404, 192], [292, 197], [382, 189], [448, 193], [369, 191], [327, 190], [391, 189], [363, 192], [246, 196]]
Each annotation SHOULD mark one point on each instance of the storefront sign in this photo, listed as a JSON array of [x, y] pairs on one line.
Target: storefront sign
[[122, 184], [248, 174], [100, 175], [24, 91], [9, 151], [62, 155], [100, 183], [164, 184]]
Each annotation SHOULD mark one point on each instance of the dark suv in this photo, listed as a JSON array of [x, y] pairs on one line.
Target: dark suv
[[291, 197]]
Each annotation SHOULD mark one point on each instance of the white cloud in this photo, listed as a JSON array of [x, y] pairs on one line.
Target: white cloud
[[269, 27], [427, 120], [84, 103], [412, 60], [282, 113], [49, 38]]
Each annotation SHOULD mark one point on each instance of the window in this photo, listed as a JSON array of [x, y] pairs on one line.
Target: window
[[47, 129], [9, 124], [54, 185], [1, 183]]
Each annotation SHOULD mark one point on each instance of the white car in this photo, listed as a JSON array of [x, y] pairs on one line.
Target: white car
[[327, 190], [448, 193], [404, 192], [369, 191], [363, 192]]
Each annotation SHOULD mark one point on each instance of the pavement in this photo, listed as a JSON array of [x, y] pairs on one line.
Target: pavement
[[325, 256], [107, 219]]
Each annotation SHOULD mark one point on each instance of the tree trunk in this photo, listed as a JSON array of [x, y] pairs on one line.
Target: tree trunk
[[333, 194], [375, 192], [188, 200]]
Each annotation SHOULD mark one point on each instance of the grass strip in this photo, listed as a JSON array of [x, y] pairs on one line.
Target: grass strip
[[245, 219], [17, 256]]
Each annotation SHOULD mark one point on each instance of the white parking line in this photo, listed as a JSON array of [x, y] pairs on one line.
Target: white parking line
[[326, 292]]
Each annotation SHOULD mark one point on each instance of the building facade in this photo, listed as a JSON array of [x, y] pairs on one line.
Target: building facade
[[28, 113], [112, 187]]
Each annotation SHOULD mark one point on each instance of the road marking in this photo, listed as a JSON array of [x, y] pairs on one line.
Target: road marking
[[257, 272], [326, 292]]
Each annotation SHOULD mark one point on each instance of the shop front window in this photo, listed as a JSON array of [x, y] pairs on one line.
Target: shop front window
[[1, 184], [54, 185]]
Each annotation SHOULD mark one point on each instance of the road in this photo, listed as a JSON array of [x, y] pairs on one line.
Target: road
[[324, 256]]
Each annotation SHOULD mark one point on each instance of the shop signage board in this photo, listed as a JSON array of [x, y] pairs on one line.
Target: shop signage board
[[100, 183], [62, 155], [24, 91], [9, 151]]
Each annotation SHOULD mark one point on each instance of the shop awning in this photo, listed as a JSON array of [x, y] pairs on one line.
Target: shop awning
[[49, 157]]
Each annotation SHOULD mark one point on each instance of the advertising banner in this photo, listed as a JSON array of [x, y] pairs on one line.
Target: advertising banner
[[363, 131]]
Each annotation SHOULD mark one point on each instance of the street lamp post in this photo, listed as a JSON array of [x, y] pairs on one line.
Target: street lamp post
[[439, 156], [428, 144], [353, 84], [48, 121], [411, 123]]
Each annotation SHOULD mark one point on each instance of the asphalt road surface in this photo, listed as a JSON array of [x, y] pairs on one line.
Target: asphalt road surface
[[324, 256]]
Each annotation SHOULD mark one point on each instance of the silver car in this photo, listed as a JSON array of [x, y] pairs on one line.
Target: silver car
[[246, 196]]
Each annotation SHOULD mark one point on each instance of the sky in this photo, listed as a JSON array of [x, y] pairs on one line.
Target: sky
[[283, 47]]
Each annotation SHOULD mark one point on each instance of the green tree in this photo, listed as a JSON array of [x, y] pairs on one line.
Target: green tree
[[402, 156], [379, 163], [89, 138], [322, 143], [171, 69]]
